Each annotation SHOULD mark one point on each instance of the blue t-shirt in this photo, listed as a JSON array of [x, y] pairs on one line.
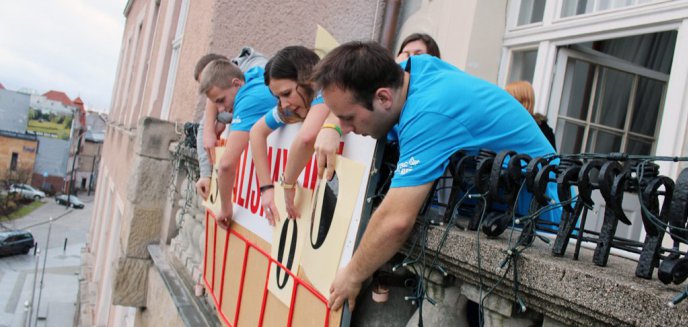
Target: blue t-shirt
[[252, 101], [273, 120], [448, 110]]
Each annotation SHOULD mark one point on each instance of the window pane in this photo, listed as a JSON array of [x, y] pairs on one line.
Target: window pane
[[646, 106], [611, 98], [638, 146], [531, 11], [576, 7], [576, 93], [569, 137], [610, 4], [603, 142], [522, 65]]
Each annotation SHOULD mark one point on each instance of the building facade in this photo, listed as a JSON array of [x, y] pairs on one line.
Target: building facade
[[89, 157], [17, 157], [14, 107], [575, 53]]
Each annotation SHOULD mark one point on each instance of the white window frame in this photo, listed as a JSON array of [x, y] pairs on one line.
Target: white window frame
[[600, 59], [596, 11], [174, 60], [555, 33], [510, 58]]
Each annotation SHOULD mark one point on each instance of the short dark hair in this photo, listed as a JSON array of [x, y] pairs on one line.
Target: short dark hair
[[361, 68], [433, 48], [204, 61], [294, 63]]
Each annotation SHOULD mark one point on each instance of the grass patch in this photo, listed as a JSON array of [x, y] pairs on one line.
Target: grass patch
[[25, 210], [49, 127]]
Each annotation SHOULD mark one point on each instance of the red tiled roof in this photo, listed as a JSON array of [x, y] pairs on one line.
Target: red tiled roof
[[58, 96]]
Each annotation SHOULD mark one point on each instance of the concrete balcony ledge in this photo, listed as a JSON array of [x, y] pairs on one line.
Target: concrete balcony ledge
[[191, 309], [562, 290]]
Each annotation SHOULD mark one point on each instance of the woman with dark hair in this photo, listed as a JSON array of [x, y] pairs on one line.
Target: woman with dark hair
[[416, 44], [287, 74]]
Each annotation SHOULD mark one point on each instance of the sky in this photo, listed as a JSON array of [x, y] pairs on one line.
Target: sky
[[71, 46]]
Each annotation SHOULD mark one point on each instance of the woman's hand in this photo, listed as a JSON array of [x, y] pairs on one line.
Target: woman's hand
[[267, 198], [289, 195]]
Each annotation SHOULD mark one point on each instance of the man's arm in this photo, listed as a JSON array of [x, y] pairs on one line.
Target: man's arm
[[301, 151], [387, 231], [236, 142], [209, 136], [204, 165]]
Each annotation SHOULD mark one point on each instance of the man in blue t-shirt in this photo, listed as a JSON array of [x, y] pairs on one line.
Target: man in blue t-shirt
[[249, 99], [432, 109]]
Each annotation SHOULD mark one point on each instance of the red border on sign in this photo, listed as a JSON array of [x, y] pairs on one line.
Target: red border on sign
[[298, 282]]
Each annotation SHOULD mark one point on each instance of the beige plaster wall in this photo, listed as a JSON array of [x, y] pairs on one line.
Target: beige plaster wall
[[469, 32], [186, 104], [266, 25]]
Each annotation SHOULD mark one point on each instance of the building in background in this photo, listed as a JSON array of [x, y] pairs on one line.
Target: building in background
[[17, 157], [610, 75], [17, 148], [89, 158], [14, 108], [77, 141], [58, 122], [56, 125]]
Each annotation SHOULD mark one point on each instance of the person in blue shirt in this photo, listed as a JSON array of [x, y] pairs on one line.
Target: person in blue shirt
[[214, 122], [249, 99], [288, 76], [435, 109]]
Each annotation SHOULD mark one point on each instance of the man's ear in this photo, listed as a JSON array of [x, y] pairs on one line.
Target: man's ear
[[384, 95], [237, 82]]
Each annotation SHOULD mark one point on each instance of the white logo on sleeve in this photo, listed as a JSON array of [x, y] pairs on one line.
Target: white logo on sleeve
[[406, 167], [236, 120]]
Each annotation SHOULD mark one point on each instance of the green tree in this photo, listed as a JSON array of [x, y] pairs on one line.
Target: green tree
[[35, 114]]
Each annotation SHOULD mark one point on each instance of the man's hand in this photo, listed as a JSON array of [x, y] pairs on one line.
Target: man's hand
[[224, 217], [345, 287], [326, 147], [292, 211], [203, 187], [268, 201]]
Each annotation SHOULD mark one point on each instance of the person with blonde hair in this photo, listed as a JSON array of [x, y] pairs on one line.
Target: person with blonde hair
[[247, 96], [524, 93]]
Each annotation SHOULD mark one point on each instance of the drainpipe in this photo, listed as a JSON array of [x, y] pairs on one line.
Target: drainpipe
[[389, 24]]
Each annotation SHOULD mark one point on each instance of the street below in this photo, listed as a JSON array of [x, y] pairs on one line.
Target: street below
[[55, 304]]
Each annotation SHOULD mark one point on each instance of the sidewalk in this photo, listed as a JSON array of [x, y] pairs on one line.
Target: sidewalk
[[62, 266]]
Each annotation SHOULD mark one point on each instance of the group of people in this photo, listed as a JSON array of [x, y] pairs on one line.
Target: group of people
[[431, 108]]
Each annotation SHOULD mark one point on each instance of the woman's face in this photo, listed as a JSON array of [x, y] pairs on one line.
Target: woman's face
[[414, 48], [292, 101]]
